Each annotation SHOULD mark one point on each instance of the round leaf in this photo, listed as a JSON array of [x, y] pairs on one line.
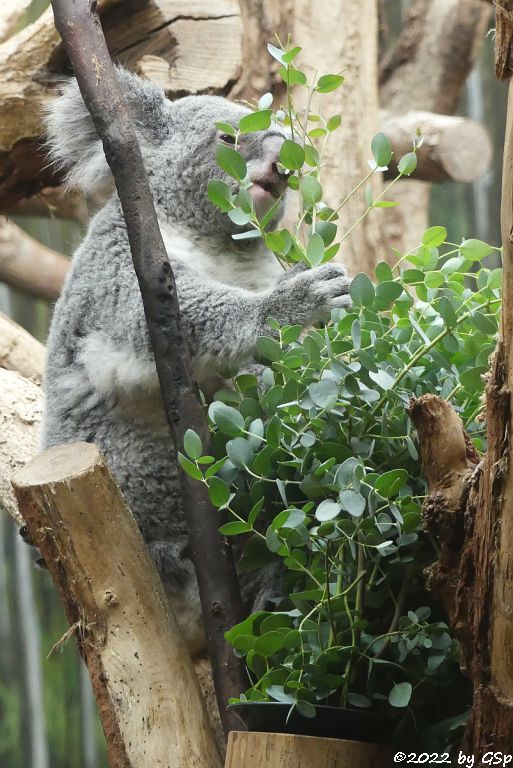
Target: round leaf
[[400, 695], [192, 444], [361, 291], [231, 162], [381, 150], [292, 156]]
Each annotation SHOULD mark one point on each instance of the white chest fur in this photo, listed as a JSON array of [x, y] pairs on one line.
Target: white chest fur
[[254, 271]]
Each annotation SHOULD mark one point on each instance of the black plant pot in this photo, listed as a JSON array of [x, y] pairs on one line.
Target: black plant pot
[[329, 722]]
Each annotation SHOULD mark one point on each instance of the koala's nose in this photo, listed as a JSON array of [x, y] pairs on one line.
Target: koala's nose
[[272, 146]]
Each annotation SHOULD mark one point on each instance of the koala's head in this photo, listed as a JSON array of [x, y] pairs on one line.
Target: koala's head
[[178, 141]]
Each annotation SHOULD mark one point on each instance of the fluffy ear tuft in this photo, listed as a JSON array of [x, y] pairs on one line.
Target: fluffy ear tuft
[[73, 144]]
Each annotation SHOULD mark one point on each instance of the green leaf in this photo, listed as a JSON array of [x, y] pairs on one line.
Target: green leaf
[[235, 528], [311, 190], [475, 250], [384, 272], [361, 291], [231, 162], [267, 644], [357, 700], [305, 708], [389, 483], [327, 510], [265, 101], [334, 122], [447, 313], [434, 279], [494, 279], [189, 468], [240, 452], [383, 379], [255, 511], [328, 83], [192, 444], [220, 194], [291, 55], [386, 293], [229, 421], [226, 128], [218, 491], [276, 53], [277, 693], [239, 217], [292, 156], [256, 121], [292, 76], [381, 150], [315, 250], [400, 695], [407, 164], [269, 348], [324, 393], [434, 236], [472, 380], [352, 502]]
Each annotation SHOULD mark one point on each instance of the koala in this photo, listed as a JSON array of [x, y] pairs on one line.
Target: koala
[[101, 382]]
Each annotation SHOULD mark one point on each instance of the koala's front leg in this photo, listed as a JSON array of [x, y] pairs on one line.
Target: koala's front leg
[[223, 323]]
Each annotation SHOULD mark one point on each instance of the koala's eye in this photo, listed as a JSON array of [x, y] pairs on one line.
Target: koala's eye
[[227, 139]]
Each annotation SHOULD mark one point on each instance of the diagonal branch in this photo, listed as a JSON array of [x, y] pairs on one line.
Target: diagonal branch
[[80, 29]]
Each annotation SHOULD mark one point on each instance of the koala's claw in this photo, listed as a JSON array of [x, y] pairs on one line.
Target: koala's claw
[[308, 295]]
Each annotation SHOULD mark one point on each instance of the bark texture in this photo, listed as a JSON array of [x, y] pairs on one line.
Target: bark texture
[[217, 579], [144, 682], [470, 506], [28, 265], [185, 46], [21, 407], [19, 351], [333, 37]]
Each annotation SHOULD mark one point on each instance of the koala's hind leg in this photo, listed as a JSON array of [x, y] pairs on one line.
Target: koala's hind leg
[[179, 578]]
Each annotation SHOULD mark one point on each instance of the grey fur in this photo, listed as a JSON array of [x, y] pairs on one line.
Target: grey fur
[[101, 383]]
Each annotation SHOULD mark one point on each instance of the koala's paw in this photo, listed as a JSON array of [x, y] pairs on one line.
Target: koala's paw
[[311, 294]]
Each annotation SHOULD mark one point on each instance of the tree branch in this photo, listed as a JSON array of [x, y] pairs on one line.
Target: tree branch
[[28, 265], [83, 38]]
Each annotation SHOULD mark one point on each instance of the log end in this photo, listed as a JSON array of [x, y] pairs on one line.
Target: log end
[[62, 462]]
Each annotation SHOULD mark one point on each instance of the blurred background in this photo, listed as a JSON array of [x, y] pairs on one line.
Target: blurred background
[[47, 712]]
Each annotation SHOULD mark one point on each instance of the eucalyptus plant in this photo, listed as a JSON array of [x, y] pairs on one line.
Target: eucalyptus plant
[[315, 461]]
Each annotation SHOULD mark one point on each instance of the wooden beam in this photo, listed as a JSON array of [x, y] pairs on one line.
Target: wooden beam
[[19, 351], [147, 693], [454, 148]]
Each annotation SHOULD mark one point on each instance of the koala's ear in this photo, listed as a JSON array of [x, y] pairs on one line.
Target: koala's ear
[[73, 144]]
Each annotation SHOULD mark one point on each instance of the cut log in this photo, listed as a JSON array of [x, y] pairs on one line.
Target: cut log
[[28, 265], [454, 148], [197, 48], [19, 351], [21, 406], [280, 750], [147, 693]]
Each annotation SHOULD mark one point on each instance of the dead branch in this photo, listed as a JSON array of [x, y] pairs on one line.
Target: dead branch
[[218, 584], [453, 148], [19, 351], [148, 696], [28, 265]]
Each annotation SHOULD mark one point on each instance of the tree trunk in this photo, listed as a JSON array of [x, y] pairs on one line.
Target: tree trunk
[[333, 37], [142, 675]]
